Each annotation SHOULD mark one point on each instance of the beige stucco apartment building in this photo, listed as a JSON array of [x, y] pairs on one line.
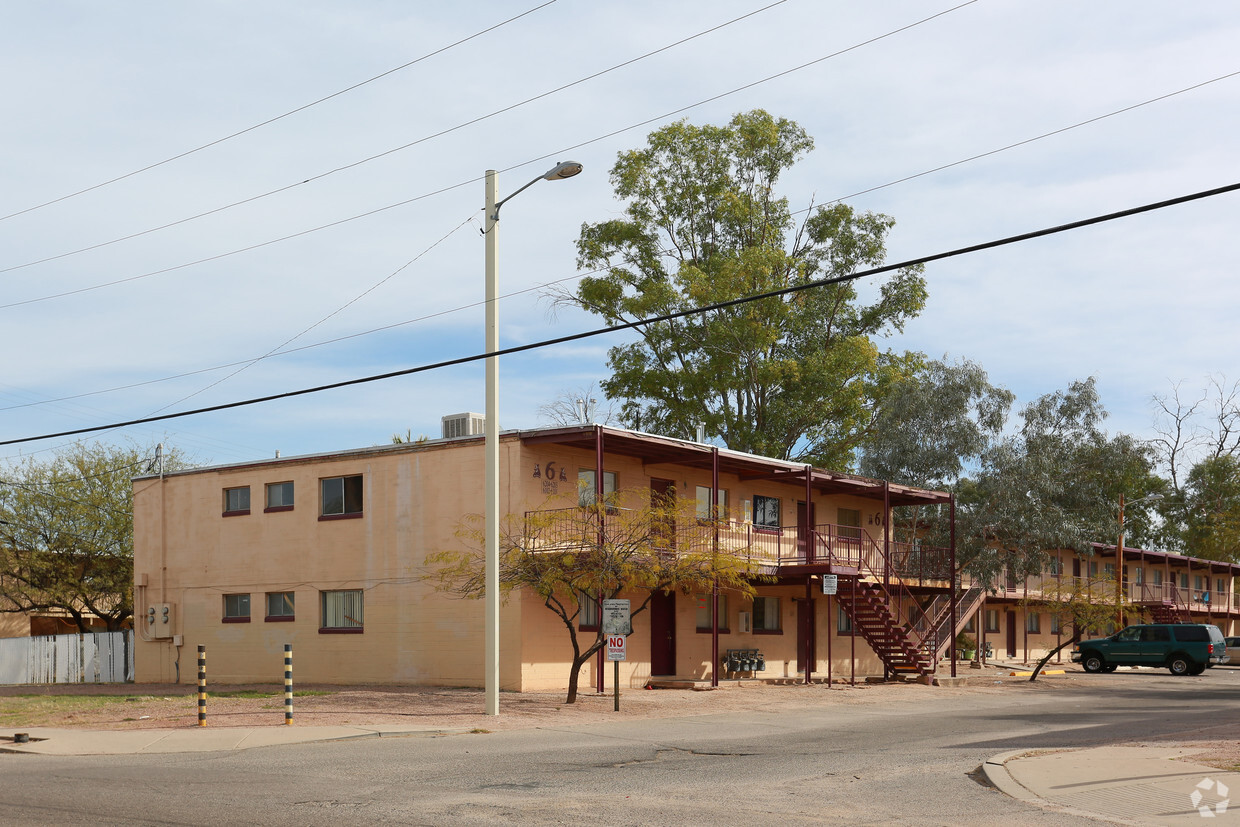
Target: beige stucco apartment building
[[327, 553]]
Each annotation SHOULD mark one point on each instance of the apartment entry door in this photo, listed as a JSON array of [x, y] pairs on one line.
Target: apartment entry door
[[805, 633], [663, 634], [1011, 634]]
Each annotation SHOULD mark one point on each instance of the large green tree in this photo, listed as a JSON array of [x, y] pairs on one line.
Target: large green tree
[[1054, 485], [1211, 509], [66, 531], [793, 377]]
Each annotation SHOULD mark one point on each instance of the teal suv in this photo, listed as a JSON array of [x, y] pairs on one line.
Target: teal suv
[[1183, 648]]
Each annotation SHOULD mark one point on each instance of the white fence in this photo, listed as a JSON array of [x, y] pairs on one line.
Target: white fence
[[103, 657]]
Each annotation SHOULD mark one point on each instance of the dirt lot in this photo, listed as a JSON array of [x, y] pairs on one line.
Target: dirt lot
[[155, 706]]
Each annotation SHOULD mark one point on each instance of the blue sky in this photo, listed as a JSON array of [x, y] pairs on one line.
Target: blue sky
[[96, 92]]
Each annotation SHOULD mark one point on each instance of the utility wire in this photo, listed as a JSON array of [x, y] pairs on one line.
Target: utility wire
[[267, 122], [394, 150], [1075, 225], [281, 352], [839, 199]]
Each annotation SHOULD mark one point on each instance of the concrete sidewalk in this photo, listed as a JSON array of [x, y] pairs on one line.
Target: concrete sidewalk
[[1127, 785], [49, 741]]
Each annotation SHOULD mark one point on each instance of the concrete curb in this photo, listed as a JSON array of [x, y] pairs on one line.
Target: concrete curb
[[995, 770]]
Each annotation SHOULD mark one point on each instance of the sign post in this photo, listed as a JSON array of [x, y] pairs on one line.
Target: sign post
[[617, 625]]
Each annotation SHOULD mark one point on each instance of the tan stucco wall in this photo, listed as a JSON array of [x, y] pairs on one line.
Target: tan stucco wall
[[189, 555]]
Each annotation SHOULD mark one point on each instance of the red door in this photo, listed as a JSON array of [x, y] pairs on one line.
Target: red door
[[663, 634], [1011, 634], [805, 633]]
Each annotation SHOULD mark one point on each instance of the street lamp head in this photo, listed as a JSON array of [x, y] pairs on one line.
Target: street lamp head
[[564, 169]]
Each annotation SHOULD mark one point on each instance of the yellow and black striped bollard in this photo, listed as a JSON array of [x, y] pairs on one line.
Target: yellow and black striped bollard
[[202, 685], [288, 684]]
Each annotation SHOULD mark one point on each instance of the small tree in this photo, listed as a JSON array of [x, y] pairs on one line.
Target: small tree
[[66, 532], [568, 556], [1079, 603]]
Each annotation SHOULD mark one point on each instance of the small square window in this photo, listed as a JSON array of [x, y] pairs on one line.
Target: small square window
[[585, 487], [237, 501], [342, 496], [703, 612], [279, 496], [766, 614], [703, 504], [765, 515], [236, 608], [342, 611], [279, 606], [588, 615]]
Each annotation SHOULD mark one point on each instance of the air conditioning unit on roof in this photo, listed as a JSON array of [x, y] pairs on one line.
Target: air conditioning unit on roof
[[463, 424]]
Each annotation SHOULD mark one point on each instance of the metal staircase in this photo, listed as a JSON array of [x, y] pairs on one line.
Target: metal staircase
[[897, 647]]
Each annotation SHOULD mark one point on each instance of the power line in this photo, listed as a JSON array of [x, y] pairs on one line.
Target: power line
[[279, 352], [1075, 225], [394, 150], [267, 122]]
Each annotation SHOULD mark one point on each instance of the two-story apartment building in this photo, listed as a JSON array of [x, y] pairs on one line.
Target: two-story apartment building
[[327, 553]]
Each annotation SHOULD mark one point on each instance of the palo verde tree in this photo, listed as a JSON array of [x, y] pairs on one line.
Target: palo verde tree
[[1080, 605], [574, 557], [792, 377], [66, 531]]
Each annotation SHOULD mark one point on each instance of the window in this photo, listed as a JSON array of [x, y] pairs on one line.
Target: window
[[843, 622], [236, 501], [589, 612], [992, 620], [1109, 570], [1056, 625], [1093, 568], [1197, 582], [703, 612], [1220, 586], [1033, 622], [703, 503], [342, 611], [849, 522], [279, 606], [1184, 580], [279, 496], [1138, 576], [585, 486], [1054, 566], [1157, 577], [236, 608], [765, 515], [342, 496], [970, 625], [766, 613]]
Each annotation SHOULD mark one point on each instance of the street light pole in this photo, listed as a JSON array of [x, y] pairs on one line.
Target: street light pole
[[490, 230], [1119, 560]]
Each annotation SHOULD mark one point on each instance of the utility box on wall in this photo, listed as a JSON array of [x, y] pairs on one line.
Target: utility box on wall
[[159, 620]]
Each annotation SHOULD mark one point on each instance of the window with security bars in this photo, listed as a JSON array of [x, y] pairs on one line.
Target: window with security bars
[[342, 611]]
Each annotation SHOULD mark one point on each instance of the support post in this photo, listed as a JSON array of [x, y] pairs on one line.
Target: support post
[[951, 565], [601, 511], [288, 684], [202, 685], [491, 441]]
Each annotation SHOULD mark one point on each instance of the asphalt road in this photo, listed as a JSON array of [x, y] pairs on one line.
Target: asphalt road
[[912, 760]]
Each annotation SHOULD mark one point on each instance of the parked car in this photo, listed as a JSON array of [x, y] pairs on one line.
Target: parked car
[[1183, 648], [1233, 650]]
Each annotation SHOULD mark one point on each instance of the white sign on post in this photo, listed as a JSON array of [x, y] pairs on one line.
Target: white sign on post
[[830, 582], [616, 646], [616, 618]]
